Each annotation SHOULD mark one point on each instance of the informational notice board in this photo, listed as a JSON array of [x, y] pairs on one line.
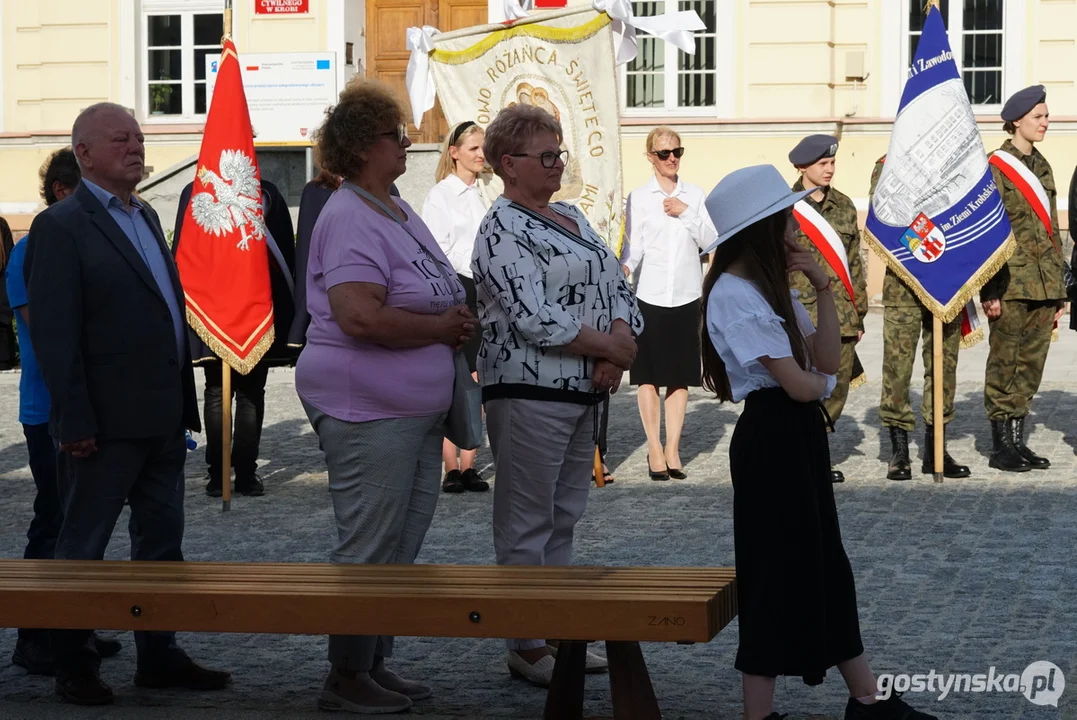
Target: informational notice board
[[287, 93]]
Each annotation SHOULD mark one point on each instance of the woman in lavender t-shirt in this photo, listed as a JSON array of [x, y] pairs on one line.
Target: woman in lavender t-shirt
[[376, 375]]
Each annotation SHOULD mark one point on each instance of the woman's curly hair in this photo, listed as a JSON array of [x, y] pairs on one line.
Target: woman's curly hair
[[352, 125]]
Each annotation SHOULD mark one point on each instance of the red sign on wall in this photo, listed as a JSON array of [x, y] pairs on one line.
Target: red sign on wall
[[547, 4], [281, 7]]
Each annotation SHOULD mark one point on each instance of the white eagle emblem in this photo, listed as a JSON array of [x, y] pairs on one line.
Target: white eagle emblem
[[236, 202]]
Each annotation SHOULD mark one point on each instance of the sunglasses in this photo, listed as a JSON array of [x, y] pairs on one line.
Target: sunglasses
[[664, 154], [401, 134], [548, 159]]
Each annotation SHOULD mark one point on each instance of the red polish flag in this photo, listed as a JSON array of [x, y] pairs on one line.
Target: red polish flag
[[223, 261]]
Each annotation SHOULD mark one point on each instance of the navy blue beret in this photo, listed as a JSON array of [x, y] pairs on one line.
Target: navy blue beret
[[812, 149], [1022, 102]]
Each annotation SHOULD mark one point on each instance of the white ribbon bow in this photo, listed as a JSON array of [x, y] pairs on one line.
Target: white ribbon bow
[[673, 27], [514, 10], [420, 78]]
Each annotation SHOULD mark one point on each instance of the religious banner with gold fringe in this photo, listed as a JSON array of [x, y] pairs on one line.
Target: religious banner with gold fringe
[[937, 217], [223, 262], [561, 61]]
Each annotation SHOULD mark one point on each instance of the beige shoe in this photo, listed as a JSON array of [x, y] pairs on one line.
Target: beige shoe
[[391, 681], [595, 662], [540, 673], [360, 695]]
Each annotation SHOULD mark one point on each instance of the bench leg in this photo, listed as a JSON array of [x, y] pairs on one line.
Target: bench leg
[[564, 701], [630, 683]]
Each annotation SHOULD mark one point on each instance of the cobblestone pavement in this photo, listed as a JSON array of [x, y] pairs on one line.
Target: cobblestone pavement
[[958, 577]]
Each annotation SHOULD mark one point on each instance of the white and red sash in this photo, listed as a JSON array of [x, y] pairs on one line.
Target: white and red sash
[[1028, 185], [1031, 190], [827, 242]]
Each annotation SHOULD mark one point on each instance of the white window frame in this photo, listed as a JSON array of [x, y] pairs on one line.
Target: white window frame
[[896, 53], [186, 10], [725, 56]]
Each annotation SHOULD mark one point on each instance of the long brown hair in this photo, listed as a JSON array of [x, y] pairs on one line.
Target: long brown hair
[[762, 247]]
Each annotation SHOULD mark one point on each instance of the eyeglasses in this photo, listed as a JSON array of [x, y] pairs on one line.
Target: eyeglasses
[[401, 134], [664, 154], [549, 158]]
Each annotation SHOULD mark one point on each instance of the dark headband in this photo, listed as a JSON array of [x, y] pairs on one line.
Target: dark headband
[[459, 131]]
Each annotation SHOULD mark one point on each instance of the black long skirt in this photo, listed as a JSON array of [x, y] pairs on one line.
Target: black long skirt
[[795, 590], [668, 348]]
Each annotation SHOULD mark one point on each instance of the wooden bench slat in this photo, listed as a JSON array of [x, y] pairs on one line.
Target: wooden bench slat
[[630, 604]]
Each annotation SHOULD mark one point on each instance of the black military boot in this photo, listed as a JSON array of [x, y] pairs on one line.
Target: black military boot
[[1037, 462], [950, 468], [900, 467], [1004, 455]]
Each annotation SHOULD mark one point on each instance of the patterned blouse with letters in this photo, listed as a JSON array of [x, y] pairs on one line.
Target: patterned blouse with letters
[[537, 284]]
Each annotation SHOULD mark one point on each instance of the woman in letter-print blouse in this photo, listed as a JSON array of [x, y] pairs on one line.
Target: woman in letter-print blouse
[[559, 322]]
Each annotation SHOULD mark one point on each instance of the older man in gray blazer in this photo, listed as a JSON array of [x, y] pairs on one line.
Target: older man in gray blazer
[[108, 330]]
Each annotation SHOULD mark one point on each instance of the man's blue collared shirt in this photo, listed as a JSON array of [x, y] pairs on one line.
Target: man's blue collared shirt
[[33, 395], [137, 229]]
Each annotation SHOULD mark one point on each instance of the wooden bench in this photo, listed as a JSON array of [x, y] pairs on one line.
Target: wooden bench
[[620, 605]]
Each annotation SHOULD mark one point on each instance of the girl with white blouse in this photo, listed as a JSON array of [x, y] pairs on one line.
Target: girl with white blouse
[[666, 228], [453, 210], [795, 589]]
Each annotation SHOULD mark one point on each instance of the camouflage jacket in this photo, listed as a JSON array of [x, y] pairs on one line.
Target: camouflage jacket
[[895, 292], [1034, 272], [840, 212]]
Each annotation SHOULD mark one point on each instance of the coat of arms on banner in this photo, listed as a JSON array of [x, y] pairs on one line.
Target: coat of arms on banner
[[564, 66], [924, 239], [937, 217]]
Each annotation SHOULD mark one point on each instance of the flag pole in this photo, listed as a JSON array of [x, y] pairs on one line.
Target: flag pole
[[936, 379], [226, 369], [936, 366]]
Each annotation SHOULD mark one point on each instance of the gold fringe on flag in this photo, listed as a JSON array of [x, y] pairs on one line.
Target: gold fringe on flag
[[241, 365], [948, 312], [861, 379], [972, 339]]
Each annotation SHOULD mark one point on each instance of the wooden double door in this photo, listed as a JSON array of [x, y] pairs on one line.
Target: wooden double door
[[387, 22]]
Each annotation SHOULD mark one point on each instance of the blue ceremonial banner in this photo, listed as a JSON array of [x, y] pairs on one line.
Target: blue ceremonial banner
[[937, 218]]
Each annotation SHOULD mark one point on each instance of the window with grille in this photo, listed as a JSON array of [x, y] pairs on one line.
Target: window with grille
[[176, 46], [976, 30], [662, 77]]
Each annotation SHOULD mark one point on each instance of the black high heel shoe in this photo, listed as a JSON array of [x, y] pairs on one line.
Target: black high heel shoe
[[657, 476], [677, 473]]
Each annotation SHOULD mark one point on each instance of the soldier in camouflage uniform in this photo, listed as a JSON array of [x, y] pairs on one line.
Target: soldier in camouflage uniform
[[1024, 299], [814, 158], [904, 320]]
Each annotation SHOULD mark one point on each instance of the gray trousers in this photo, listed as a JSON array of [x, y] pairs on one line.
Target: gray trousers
[[384, 477], [544, 454], [149, 474]]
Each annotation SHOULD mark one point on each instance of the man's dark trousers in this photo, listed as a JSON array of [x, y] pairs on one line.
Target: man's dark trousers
[[250, 406], [149, 474], [48, 515]]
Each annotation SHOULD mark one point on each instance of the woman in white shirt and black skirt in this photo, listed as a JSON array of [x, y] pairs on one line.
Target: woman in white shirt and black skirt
[[666, 228], [795, 589], [453, 210]]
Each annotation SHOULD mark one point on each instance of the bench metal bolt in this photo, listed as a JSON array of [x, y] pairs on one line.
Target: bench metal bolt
[[475, 617], [136, 611]]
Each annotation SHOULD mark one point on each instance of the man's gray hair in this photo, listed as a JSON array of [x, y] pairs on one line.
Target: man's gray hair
[[513, 129], [85, 119]]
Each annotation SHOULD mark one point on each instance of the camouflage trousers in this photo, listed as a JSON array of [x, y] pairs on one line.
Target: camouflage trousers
[[1020, 339], [902, 329], [836, 402]]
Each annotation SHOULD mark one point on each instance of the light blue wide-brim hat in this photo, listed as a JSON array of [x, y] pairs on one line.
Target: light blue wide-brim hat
[[746, 196]]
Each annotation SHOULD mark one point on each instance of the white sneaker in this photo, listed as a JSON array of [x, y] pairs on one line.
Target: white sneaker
[[539, 673], [595, 663]]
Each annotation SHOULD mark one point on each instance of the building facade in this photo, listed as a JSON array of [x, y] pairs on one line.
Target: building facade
[[766, 73]]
